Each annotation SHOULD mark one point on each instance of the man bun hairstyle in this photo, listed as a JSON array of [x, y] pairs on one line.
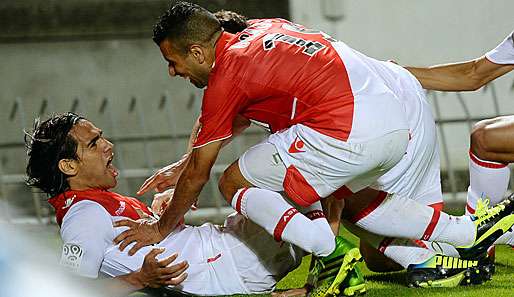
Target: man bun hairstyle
[[185, 24], [47, 144], [231, 21]]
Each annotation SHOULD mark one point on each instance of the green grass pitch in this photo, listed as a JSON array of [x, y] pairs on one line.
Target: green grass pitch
[[393, 284]]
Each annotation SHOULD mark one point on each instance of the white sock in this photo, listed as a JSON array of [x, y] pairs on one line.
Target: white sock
[[402, 251], [486, 180], [316, 215], [271, 211], [401, 217]]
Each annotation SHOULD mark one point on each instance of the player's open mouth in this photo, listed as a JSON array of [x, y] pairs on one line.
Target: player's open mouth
[[113, 170]]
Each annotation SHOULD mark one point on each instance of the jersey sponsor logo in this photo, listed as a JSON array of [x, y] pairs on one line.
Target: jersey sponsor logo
[[250, 34], [296, 146], [287, 216], [301, 29], [310, 48], [71, 256], [69, 202], [120, 209]]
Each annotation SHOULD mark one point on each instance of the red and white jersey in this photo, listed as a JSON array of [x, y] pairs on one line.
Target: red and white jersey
[[504, 52], [216, 255], [278, 74]]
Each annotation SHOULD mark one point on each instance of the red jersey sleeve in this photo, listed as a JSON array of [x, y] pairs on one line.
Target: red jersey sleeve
[[222, 100]]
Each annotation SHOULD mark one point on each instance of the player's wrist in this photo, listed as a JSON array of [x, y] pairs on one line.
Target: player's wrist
[[136, 280], [162, 229]]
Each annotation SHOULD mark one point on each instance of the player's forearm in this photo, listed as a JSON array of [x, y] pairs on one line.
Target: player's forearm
[[464, 76], [447, 77], [186, 193]]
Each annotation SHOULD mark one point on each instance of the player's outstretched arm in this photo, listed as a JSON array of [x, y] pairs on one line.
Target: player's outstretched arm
[[189, 185], [468, 75], [462, 76]]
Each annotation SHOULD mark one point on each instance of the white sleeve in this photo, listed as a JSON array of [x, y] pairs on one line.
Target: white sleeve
[[504, 52], [86, 231]]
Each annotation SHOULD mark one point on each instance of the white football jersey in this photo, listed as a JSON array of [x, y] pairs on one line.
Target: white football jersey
[[218, 256], [504, 52]]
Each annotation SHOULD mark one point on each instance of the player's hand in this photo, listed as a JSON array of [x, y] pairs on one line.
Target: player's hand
[[162, 200], [144, 232], [155, 273], [164, 178]]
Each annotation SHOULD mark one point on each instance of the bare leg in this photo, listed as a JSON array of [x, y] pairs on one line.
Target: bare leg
[[493, 139]]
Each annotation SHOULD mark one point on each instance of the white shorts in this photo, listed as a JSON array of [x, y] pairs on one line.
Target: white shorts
[[310, 165], [416, 175], [260, 261]]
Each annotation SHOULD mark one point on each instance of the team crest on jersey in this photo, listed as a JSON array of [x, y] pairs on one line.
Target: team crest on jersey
[[297, 146], [71, 256]]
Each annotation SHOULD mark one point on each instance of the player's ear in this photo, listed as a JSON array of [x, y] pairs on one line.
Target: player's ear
[[68, 166], [198, 53]]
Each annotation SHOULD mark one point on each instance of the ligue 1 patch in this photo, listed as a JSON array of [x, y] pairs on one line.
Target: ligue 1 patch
[[71, 256]]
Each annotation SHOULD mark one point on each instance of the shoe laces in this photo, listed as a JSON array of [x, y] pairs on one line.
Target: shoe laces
[[482, 207], [483, 213]]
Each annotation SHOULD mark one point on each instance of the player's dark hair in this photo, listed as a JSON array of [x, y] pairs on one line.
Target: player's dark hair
[[46, 145], [231, 22], [185, 24]]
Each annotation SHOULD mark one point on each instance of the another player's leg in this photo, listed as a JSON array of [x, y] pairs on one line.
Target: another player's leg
[[419, 258], [491, 148], [390, 218], [487, 181], [262, 167]]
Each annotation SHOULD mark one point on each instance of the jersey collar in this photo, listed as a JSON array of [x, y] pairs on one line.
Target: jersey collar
[[221, 44]]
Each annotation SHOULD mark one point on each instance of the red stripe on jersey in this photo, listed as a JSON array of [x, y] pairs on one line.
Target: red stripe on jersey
[[431, 225], [315, 214], [486, 164], [282, 223], [420, 243], [239, 199], [115, 204], [384, 244], [370, 208]]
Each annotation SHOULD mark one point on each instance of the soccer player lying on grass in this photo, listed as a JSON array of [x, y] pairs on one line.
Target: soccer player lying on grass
[[70, 160]]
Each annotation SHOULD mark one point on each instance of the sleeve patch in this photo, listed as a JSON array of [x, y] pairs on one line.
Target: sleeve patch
[[71, 256]]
